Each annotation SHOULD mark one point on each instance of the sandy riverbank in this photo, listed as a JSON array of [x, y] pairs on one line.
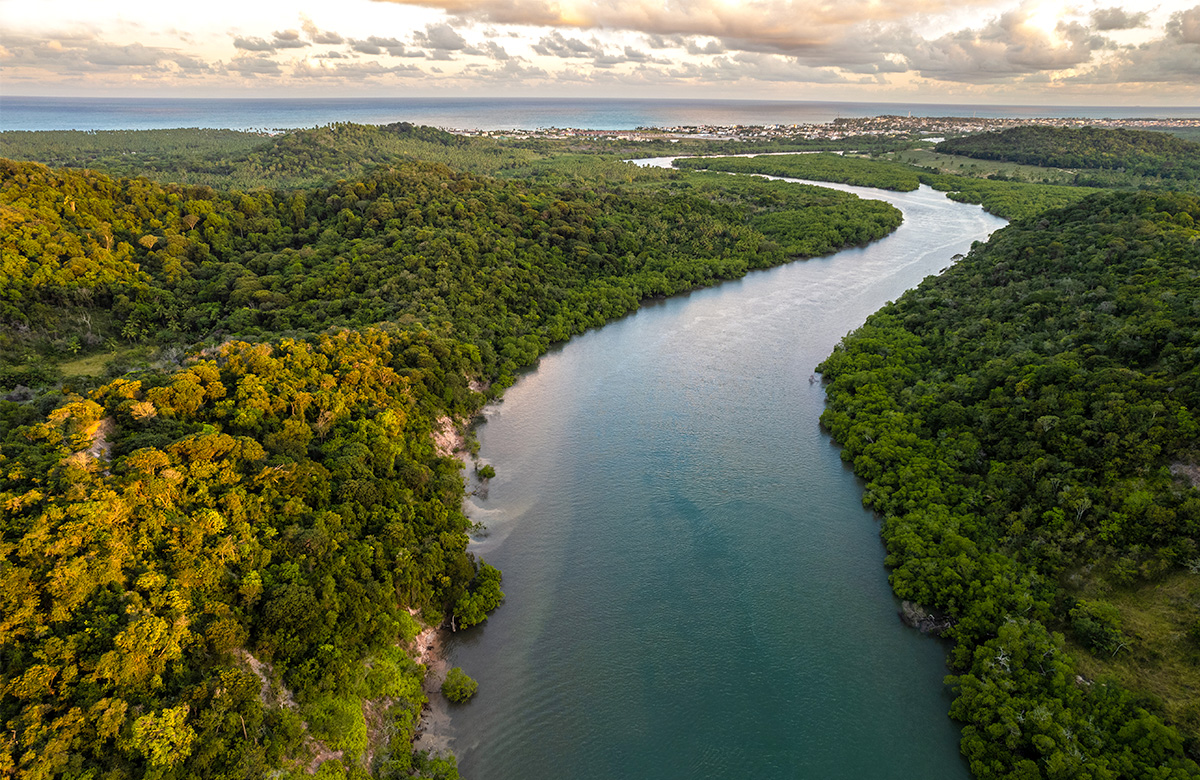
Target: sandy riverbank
[[433, 729]]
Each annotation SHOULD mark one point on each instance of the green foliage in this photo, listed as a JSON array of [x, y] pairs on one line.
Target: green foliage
[[482, 596], [817, 167], [487, 472], [1137, 152], [232, 159], [1011, 200], [1014, 420], [458, 687], [164, 738], [191, 546], [1097, 625], [340, 724]]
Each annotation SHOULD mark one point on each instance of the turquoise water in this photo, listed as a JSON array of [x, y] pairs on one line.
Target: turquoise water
[[693, 587], [74, 113]]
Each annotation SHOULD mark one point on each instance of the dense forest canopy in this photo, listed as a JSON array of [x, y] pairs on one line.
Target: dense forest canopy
[[1133, 151], [213, 565], [322, 155], [1016, 420], [218, 547]]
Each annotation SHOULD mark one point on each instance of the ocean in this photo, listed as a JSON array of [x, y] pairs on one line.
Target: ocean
[[54, 113]]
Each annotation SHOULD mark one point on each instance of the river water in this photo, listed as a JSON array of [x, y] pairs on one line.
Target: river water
[[693, 587]]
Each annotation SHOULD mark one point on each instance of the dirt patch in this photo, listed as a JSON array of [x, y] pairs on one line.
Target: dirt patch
[[449, 438], [101, 448], [1187, 471], [433, 730]]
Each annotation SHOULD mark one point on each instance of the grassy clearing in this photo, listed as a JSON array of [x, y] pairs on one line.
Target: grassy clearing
[[1163, 656], [88, 365], [96, 363], [969, 166]]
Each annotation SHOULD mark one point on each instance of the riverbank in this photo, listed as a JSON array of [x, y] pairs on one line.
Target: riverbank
[[433, 727]]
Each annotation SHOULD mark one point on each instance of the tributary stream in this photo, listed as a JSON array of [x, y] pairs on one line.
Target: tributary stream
[[694, 589]]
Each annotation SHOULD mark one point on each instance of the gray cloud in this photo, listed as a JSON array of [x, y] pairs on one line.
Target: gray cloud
[[253, 44], [557, 45], [1174, 58], [1185, 26], [712, 47], [366, 47], [1118, 19], [440, 37], [289, 39], [496, 51], [378, 45], [665, 41]]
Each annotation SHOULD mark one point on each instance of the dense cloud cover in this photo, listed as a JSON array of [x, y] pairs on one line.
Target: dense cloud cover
[[1001, 49]]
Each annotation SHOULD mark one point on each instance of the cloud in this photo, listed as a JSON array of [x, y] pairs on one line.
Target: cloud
[[317, 35], [84, 53], [1118, 19], [496, 51], [1174, 58], [558, 45], [712, 47], [254, 66], [440, 37], [253, 44], [507, 72], [1185, 26], [1005, 47], [288, 39], [377, 45], [665, 41], [788, 26], [354, 71]]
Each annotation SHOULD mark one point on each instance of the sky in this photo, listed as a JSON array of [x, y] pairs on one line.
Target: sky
[[1019, 52]]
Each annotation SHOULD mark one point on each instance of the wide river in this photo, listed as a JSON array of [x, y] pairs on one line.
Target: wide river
[[694, 589]]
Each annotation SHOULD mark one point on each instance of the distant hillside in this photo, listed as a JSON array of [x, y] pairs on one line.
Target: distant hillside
[[233, 159], [1132, 151]]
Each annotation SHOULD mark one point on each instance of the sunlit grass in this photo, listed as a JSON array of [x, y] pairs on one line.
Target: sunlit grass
[[1161, 658], [96, 363]]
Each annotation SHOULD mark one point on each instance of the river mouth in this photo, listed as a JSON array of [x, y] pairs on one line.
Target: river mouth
[[693, 587]]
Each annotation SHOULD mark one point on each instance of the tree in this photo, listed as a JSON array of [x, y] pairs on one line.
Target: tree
[[458, 687]]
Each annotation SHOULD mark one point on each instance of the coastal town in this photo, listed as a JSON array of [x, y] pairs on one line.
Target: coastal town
[[842, 127]]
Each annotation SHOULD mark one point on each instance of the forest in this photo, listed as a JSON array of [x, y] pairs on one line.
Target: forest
[[1026, 424], [220, 543], [223, 358], [1011, 200], [317, 156], [1135, 152]]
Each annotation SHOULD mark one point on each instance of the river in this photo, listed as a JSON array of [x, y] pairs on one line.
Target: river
[[693, 587]]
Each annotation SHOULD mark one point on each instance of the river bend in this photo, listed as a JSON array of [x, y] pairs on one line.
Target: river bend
[[693, 587]]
